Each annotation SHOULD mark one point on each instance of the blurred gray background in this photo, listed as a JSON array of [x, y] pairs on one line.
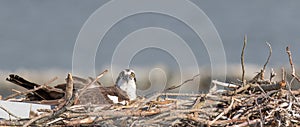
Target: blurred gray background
[[37, 37]]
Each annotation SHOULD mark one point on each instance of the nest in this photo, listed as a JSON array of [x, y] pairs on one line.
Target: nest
[[257, 102]]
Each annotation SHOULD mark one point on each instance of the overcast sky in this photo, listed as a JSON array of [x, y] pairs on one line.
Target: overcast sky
[[40, 34]]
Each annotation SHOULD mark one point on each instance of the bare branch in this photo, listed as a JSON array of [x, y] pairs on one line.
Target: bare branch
[[69, 87], [186, 81], [36, 118], [272, 75], [243, 61], [270, 54], [268, 59], [292, 64], [229, 85], [95, 80]]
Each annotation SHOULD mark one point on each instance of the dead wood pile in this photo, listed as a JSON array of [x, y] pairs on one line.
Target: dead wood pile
[[257, 102]]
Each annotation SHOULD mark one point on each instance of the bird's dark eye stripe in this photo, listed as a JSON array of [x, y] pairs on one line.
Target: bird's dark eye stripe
[[132, 74]]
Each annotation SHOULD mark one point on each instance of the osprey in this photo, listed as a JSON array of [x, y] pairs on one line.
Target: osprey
[[127, 82], [121, 93]]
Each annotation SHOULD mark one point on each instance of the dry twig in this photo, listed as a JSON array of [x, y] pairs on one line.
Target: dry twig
[[243, 61], [292, 64], [268, 59], [186, 81], [69, 87], [36, 118], [228, 109], [95, 80], [8, 112]]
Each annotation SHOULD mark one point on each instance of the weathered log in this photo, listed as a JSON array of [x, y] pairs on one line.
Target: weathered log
[[45, 93]]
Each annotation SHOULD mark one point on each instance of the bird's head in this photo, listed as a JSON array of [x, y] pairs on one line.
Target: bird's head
[[127, 75]]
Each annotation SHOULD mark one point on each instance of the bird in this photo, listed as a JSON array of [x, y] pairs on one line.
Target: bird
[[126, 81], [122, 92]]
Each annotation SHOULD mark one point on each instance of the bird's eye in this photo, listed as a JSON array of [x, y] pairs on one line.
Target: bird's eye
[[132, 74]]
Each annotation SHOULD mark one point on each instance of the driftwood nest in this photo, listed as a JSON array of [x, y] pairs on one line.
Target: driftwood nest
[[257, 102]]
